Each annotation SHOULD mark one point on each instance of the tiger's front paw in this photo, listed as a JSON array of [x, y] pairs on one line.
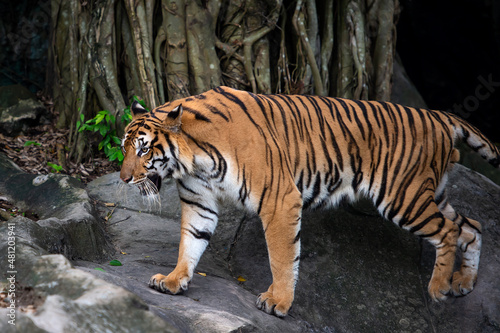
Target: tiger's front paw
[[439, 289], [271, 305], [172, 283]]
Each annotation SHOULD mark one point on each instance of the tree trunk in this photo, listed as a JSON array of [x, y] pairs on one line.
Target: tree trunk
[[106, 51], [176, 68]]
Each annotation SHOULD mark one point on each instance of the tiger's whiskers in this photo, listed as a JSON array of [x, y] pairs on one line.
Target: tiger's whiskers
[[150, 194], [122, 192]]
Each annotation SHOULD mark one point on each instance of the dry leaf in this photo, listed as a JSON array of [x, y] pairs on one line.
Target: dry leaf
[[241, 279], [202, 274]]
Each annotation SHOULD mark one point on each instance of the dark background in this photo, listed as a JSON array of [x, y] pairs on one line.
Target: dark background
[[446, 46]]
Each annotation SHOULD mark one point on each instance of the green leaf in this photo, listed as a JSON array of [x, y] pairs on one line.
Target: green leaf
[[103, 123], [29, 143], [127, 116], [115, 263], [110, 118], [116, 140], [56, 168], [99, 269], [99, 118]]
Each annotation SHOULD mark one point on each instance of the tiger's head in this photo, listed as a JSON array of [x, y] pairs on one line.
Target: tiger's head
[[154, 148]]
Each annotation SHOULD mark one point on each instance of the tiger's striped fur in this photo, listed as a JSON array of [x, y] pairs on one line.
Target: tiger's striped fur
[[276, 155]]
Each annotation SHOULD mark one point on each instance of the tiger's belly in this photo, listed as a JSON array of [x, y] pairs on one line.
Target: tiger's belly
[[325, 190], [321, 190]]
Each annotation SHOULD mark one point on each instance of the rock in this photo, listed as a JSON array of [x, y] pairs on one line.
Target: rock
[[215, 302], [67, 299], [68, 224], [11, 95], [472, 160], [20, 110], [358, 272], [75, 301]]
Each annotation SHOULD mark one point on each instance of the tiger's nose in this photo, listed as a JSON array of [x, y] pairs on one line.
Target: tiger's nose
[[126, 180]]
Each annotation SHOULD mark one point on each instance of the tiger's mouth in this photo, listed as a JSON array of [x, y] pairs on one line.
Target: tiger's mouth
[[156, 180], [150, 186]]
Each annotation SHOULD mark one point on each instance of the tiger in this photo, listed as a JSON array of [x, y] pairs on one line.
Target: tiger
[[276, 155]]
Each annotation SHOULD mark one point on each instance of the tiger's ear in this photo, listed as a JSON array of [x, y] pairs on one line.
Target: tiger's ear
[[174, 117], [137, 110]]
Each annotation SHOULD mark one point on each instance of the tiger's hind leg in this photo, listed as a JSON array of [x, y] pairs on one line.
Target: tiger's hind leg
[[443, 234], [422, 217], [469, 242]]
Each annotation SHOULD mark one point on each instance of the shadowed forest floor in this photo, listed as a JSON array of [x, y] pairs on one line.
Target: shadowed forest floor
[[46, 145]]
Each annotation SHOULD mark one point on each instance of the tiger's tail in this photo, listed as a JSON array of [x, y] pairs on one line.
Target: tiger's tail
[[476, 140]]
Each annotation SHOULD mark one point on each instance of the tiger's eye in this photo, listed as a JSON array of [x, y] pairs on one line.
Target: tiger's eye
[[144, 150]]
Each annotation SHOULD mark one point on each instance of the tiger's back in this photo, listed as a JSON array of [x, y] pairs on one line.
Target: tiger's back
[[278, 154], [332, 148]]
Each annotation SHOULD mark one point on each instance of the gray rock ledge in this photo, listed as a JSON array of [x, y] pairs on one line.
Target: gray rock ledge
[[358, 272]]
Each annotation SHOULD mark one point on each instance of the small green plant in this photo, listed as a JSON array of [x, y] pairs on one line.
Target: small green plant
[[29, 143], [55, 167], [104, 123]]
